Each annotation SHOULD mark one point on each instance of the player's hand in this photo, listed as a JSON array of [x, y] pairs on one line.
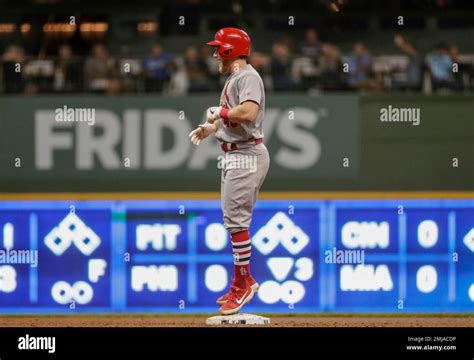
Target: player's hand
[[201, 132], [213, 113]]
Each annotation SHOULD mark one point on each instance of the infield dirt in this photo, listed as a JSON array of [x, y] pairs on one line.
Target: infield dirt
[[200, 321]]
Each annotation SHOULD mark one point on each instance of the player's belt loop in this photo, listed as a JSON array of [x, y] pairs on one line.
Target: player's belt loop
[[233, 147], [225, 147]]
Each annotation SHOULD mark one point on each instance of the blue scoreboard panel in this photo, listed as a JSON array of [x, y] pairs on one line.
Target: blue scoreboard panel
[[175, 256]]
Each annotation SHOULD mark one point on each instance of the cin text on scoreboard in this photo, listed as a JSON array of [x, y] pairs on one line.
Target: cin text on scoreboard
[[175, 256]]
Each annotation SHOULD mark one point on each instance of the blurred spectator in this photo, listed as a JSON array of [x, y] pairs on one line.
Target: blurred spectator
[[360, 66], [311, 46], [31, 88], [320, 67], [305, 69], [281, 67], [66, 70], [98, 68], [454, 53], [259, 62], [462, 68], [158, 67], [179, 82], [13, 62], [440, 65], [196, 70], [411, 76], [114, 86], [208, 58], [331, 67], [212, 67]]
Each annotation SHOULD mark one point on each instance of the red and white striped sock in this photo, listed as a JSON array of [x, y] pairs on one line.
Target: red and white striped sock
[[242, 249]]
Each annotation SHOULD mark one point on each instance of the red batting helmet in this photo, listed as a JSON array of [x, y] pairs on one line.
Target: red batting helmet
[[232, 42]]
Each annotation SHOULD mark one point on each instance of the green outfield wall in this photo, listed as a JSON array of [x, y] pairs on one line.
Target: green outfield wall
[[140, 143]]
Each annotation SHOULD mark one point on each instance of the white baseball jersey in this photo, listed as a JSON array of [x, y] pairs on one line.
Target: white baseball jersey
[[243, 85]]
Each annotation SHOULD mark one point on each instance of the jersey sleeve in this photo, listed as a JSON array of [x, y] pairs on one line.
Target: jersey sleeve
[[250, 89]]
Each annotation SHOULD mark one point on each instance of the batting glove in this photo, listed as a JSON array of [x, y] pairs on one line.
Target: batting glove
[[214, 113]]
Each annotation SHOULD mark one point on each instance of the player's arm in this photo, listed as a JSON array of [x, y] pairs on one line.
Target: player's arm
[[245, 112], [250, 94]]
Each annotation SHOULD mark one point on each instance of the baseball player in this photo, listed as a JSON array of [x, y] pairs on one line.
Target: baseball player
[[237, 124]]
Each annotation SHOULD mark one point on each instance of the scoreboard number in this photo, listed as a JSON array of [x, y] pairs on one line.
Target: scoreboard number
[[427, 234]]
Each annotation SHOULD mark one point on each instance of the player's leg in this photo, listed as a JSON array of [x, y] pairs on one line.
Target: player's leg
[[247, 184], [233, 198], [223, 298], [263, 164], [241, 186]]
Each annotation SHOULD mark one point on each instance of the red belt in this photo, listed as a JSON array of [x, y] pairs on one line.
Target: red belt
[[231, 146]]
